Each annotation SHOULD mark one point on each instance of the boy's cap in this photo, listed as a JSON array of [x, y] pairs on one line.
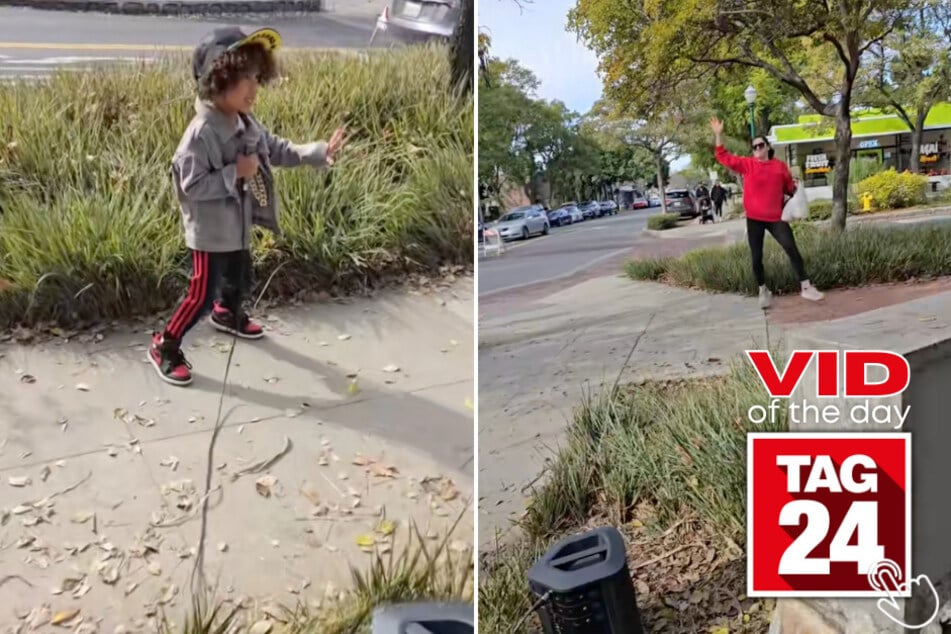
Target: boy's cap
[[225, 39]]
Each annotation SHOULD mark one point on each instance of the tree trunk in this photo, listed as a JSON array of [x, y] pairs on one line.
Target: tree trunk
[[843, 159], [660, 182], [462, 49], [917, 132]]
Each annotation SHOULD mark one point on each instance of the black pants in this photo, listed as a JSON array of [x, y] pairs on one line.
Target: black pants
[[225, 277], [782, 232], [718, 207]]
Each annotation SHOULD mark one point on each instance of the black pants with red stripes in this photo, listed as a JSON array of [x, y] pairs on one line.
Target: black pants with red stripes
[[225, 277]]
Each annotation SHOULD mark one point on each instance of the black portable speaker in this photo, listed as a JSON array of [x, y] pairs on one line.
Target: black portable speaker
[[424, 618], [588, 586]]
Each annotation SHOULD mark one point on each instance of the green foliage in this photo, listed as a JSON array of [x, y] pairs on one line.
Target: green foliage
[[92, 230], [523, 139], [659, 222], [677, 450], [651, 51], [858, 257], [891, 190], [820, 210]]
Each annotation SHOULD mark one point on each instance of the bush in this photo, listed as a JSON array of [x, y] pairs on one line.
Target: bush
[[678, 449], [649, 270], [820, 210], [891, 190], [92, 230], [857, 257], [660, 222]]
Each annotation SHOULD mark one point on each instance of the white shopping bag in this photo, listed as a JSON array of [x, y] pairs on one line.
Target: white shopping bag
[[797, 207]]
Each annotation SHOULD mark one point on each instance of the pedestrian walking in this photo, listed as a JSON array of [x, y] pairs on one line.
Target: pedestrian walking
[[766, 182], [718, 195], [222, 177]]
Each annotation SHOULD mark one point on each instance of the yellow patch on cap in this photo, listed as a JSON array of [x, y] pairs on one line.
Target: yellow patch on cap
[[268, 38]]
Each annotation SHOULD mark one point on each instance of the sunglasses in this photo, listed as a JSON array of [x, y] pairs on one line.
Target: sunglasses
[[759, 146]]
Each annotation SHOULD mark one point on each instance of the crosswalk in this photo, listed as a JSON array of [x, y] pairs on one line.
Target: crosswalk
[[39, 66]]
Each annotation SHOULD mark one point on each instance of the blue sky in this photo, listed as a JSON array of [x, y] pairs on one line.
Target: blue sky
[[535, 35], [537, 38]]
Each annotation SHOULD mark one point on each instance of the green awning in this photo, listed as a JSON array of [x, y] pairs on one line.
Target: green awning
[[868, 123]]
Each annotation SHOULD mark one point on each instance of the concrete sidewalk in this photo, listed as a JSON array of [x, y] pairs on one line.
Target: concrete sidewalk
[[537, 363], [353, 438]]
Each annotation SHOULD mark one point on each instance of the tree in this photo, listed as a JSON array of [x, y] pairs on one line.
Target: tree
[[462, 48], [909, 71], [646, 46], [660, 134], [775, 104]]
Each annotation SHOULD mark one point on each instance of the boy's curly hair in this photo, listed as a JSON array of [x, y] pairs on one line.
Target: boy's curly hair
[[245, 62]]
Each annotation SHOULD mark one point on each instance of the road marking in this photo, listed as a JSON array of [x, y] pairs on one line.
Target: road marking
[[52, 46], [554, 278]]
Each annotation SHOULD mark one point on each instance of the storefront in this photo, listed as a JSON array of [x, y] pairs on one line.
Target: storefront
[[809, 146]]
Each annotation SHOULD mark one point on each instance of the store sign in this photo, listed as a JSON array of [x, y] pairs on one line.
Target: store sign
[[817, 164], [929, 153], [868, 144]]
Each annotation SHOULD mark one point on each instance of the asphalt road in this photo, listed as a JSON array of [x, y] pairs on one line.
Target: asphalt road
[[34, 43], [565, 251]]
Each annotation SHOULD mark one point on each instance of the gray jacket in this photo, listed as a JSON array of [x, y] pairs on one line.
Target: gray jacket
[[217, 208]]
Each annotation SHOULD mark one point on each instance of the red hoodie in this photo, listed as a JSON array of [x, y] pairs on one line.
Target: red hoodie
[[764, 184]]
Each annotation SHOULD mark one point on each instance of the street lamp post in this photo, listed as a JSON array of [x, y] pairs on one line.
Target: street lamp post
[[750, 94]]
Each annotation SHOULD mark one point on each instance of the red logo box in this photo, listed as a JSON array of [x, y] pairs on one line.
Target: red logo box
[[823, 509]]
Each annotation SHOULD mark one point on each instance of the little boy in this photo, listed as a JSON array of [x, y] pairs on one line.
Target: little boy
[[222, 176]]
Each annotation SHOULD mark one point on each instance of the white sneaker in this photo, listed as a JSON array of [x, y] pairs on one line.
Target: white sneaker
[[765, 298], [811, 293]]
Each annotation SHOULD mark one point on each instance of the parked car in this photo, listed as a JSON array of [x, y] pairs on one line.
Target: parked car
[[608, 208], [681, 201], [522, 222], [481, 231], [590, 209], [419, 20], [654, 200], [574, 213], [559, 217], [639, 202]]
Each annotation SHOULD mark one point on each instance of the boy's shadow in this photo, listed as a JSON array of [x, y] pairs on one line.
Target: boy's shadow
[[334, 379]]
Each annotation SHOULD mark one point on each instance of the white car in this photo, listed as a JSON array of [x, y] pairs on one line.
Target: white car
[[522, 223]]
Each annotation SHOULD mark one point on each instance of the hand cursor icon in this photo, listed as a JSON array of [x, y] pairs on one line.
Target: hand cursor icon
[[885, 576]]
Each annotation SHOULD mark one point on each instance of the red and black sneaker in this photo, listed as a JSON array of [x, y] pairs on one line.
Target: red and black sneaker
[[240, 326], [169, 361]]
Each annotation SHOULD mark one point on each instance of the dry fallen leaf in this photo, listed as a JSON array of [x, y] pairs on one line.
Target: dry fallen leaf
[[45, 473], [154, 568], [365, 541], [343, 337], [309, 492], [265, 484], [386, 527], [391, 368], [222, 547], [469, 404], [383, 471], [82, 387], [171, 462], [361, 461], [64, 617], [19, 481], [261, 627], [353, 388]]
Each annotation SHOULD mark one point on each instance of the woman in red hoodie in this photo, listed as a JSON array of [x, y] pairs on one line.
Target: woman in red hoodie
[[766, 182]]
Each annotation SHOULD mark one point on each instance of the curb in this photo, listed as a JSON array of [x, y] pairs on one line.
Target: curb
[[171, 7]]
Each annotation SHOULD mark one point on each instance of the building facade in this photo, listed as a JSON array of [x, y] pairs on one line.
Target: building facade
[[808, 147]]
